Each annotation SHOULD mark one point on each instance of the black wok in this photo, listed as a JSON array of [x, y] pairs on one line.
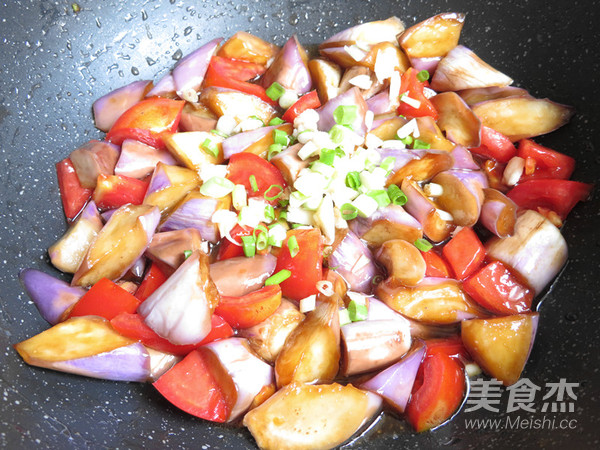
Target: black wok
[[56, 61]]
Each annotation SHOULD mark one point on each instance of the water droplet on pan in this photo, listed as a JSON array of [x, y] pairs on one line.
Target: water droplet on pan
[[135, 70], [177, 55], [187, 31], [144, 15], [150, 61]]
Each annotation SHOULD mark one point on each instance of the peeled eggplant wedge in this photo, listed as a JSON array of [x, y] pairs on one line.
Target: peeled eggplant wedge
[[433, 37]]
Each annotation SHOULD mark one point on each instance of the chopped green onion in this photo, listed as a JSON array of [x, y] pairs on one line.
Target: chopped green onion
[[283, 202], [344, 317], [210, 147], [278, 278], [257, 118], [353, 180], [381, 197], [275, 91], [262, 241], [349, 211], [423, 75], [336, 134], [280, 137], [327, 156], [253, 183], [357, 311], [217, 187], [219, 133], [423, 244], [276, 121], [339, 152], [187, 253], [249, 246], [269, 213], [419, 144], [282, 215], [407, 140], [273, 150], [345, 114], [396, 195], [296, 225], [270, 198], [293, 246], [388, 163]]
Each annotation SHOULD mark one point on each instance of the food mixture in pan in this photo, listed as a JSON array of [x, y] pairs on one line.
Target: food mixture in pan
[[297, 242]]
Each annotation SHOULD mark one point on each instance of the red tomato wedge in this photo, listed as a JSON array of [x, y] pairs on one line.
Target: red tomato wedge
[[114, 191], [215, 78], [236, 69], [147, 121], [559, 196], [437, 393], [498, 290], [73, 195], [436, 266], [412, 87], [548, 163], [250, 309], [199, 386], [153, 279], [134, 327], [228, 249], [306, 266], [105, 299], [464, 252], [452, 347], [307, 101], [244, 165], [495, 145]]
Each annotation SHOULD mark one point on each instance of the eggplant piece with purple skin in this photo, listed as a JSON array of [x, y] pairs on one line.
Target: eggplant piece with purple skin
[[289, 163], [235, 277], [353, 260], [68, 252], [498, 213], [395, 383], [197, 117], [522, 117], [289, 68], [390, 222], [351, 97], [428, 64], [87, 346], [196, 211], [164, 88], [462, 69], [374, 343], [169, 185], [223, 101], [537, 250], [189, 72], [137, 160], [241, 141], [463, 159], [250, 374], [180, 310], [478, 95], [381, 103], [433, 37], [462, 194], [167, 249], [422, 168], [52, 297], [122, 240], [108, 108], [92, 159]]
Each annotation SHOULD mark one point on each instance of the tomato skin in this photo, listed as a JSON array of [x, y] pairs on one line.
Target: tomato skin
[[559, 196], [306, 267], [452, 347], [73, 195], [250, 309], [464, 252], [215, 78], [114, 191], [414, 89], [548, 163], [105, 299], [153, 279], [307, 101], [498, 290], [147, 121], [194, 386], [495, 145], [242, 165], [236, 69], [228, 249], [437, 392], [436, 266], [134, 327]]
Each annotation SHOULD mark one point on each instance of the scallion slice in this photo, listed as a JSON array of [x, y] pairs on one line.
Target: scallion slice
[[219, 133], [278, 278], [269, 213], [262, 241], [187, 253], [345, 114], [280, 137], [407, 140], [349, 211], [388, 163], [357, 311], [396, 195], [210, 147], [423, 75], [344, 317], [273, 150], [327, 156], [249, 246], [279, 191], [276, 121], [353, 180], [275, 91], [336, 134], [253, 183], [419, 144], [381, 197], [423, 244], [293, 246]]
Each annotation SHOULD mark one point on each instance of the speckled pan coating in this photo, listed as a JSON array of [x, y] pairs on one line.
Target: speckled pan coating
[[54, 63]]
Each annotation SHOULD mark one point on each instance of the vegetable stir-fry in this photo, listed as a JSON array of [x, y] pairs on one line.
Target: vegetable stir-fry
[[280, 239]]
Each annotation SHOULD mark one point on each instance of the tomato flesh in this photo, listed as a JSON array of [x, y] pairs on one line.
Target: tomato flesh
[[73, 195], [105, 299], [464, 252], [243, 165], [250, 309]]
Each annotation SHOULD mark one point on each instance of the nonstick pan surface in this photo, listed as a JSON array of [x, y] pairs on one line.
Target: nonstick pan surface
[[55, 61]]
